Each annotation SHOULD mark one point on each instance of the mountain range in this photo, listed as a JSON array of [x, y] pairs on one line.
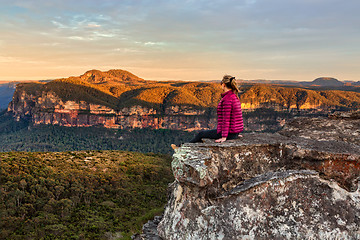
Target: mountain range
[[321, 83], [120, 99]]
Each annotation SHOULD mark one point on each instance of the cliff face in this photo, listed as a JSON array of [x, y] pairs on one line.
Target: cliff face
[[46, 107], [50, 109], [119, 99], [300, 183]]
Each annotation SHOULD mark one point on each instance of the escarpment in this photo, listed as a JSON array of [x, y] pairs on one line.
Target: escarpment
[[51, 109], [119, 99], [299, 183]]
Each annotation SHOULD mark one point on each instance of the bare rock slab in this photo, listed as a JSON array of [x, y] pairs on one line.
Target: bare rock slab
[[295, 184]]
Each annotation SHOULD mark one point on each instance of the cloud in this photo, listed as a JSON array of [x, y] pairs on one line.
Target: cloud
[[93, 25], [7, 59], [127, 50], [60, 25], [154, 43], [275, 34]]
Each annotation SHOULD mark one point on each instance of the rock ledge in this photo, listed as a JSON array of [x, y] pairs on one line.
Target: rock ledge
[[300, 183]]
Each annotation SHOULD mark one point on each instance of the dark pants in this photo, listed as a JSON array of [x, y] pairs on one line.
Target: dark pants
[[212, 134]]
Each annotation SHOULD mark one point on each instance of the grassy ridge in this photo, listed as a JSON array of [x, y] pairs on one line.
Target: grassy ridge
[[80, 195], [117, 89]]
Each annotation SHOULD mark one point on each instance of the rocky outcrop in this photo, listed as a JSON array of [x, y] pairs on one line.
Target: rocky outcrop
[[300, 183]]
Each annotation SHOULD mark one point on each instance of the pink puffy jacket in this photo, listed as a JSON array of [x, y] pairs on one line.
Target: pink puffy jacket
[[229, 114]]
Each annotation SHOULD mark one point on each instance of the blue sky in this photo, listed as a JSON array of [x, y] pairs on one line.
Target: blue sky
[[185, 40]]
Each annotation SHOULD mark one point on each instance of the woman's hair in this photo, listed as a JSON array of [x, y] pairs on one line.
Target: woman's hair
[[230, 82]]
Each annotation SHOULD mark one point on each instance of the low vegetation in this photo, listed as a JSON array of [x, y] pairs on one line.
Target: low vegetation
[[80, 195]]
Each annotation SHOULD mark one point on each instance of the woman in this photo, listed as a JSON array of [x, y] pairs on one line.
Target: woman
[[230, 121]]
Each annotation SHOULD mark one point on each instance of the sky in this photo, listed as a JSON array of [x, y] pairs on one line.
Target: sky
[[181, 40]]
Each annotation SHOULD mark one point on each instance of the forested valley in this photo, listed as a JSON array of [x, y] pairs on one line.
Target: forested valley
[[53, 187], [87, 182], [80, 195], [22, 136]]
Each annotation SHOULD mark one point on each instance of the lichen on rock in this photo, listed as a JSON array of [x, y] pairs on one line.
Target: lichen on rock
[[295, 184]]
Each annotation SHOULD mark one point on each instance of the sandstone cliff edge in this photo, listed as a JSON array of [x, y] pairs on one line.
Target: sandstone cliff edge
[[299, 183]]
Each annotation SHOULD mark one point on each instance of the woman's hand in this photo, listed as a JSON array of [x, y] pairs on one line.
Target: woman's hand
[[220, 140]]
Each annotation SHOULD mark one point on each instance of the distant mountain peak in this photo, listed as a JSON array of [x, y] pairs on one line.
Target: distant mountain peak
[[327, 81], [97, 76]]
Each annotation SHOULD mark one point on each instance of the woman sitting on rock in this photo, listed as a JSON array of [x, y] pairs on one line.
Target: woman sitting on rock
[[230, 121]]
